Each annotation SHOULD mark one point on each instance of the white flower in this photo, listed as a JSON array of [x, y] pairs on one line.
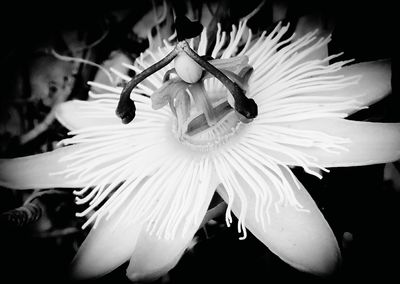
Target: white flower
[[148, 183]]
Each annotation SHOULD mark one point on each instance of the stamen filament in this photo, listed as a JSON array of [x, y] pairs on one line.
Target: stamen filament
[[245, 106], [126, 107]]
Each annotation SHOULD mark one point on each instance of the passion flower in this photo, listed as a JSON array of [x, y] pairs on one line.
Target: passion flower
[[148, 183]]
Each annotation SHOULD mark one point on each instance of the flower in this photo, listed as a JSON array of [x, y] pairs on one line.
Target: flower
[[148, 183]]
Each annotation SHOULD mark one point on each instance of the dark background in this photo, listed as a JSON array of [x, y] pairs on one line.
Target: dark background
[[356, 200]]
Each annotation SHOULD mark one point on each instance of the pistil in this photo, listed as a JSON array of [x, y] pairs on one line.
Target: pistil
[[245, 106]]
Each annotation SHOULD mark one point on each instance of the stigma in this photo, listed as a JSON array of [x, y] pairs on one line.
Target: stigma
[[203, 109], [187, 69]]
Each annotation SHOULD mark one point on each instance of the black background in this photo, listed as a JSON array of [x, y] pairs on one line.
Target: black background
[[355, 200]]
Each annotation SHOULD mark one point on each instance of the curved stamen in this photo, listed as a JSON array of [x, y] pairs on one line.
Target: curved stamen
[[243, 105], [126, 107]]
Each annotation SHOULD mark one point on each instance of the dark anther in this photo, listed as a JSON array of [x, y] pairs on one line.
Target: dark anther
[[126, 111], [126, 107], [186, 29], [247, 107]]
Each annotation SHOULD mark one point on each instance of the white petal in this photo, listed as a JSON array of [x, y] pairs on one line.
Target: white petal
[[107, 246], [374, 84], [76, 115], [153, 257], [310, 23], [38, 171], [303, 239], [368, 142]]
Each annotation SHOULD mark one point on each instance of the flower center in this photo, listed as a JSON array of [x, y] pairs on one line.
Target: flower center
[[203, 134], [205, 111]]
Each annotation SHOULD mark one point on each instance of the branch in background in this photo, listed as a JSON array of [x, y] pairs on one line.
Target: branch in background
[[44, 125], [63, 96], [30, 211], [58, 233], [22, 216], [84, 61]]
